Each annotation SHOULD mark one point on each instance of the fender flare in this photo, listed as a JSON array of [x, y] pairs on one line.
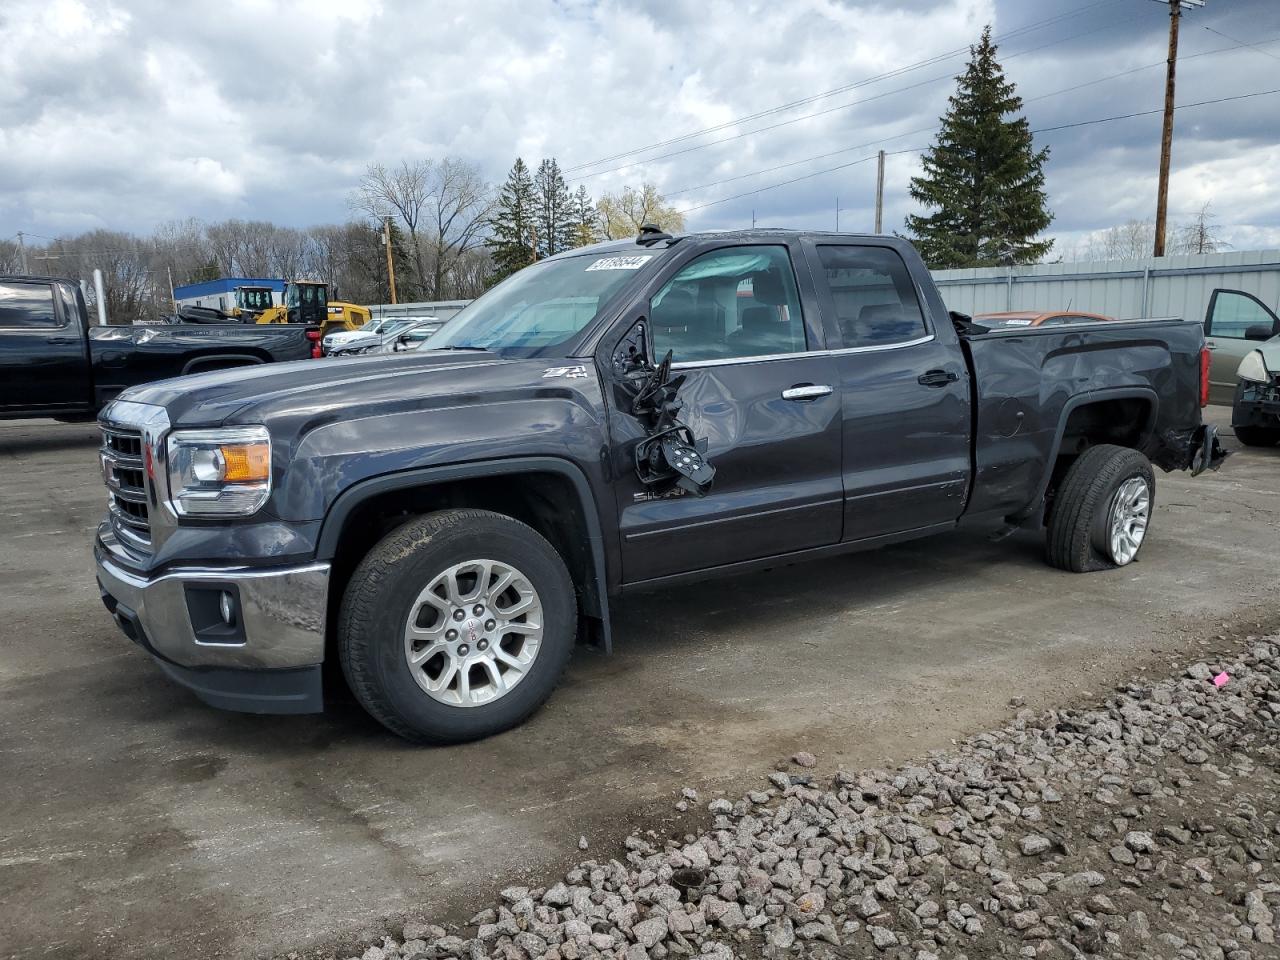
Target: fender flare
[[1074, 403], [595, 592], [239, 360]]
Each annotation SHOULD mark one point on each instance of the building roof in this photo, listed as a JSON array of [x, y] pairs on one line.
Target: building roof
[[210, 288]]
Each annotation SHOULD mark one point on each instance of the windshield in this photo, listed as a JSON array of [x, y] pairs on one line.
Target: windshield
[[543, 306]]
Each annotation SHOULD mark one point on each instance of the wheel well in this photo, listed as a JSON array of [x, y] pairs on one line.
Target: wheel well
[[547, 502], [1123, 421]]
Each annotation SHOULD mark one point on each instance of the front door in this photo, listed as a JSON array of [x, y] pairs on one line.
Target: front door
[[43, 363], [762, 391], [905, 393], [1235, 323]]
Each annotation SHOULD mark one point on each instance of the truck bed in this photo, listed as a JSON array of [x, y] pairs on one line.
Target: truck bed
[[1027, 382]]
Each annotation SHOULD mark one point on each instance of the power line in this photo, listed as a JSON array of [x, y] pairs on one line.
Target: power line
[[1245, 43], [1065, 126], [843, 106], [930, 129], [1029, 28]]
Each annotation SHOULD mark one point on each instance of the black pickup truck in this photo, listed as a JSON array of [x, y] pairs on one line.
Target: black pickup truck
[[53, 363], [445, 522]]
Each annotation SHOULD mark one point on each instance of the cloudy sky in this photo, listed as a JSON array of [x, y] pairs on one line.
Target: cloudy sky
[[125, 114]]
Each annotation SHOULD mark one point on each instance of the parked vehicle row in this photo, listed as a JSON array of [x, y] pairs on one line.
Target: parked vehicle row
[[445, 522], [389, 335]]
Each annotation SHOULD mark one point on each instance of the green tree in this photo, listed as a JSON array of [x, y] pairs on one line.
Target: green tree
[[512, 223], [983, 179], [586, 221], [554, 220]]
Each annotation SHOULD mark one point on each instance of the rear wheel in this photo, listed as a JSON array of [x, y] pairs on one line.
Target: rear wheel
[[456, 626], [1101, 511], [1258, 436]]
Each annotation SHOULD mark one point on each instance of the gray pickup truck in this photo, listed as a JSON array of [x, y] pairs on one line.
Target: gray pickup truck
[[444, 523], [54, 363]]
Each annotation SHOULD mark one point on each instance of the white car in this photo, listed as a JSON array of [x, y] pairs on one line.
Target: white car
[[374, 330], [390, 338]]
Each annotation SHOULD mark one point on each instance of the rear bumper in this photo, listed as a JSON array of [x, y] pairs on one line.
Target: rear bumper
[[267, 661], [1206, 450]]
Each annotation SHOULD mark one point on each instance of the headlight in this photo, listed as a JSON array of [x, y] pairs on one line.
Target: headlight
[[1252, 367], [223, 472]]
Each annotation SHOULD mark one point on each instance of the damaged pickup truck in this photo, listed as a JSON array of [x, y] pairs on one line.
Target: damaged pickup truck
[[445, 523]]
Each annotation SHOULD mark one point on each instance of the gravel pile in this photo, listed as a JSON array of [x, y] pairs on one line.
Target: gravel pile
[[1146, 826]]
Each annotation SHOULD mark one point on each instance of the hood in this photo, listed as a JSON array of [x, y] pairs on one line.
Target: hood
[[339, 389]]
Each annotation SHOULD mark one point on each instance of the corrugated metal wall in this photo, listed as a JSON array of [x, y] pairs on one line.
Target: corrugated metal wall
[[1163, 287]]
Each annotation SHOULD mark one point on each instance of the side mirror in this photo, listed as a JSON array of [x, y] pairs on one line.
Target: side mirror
[[635, 351], [1258, 331], [402, 342]]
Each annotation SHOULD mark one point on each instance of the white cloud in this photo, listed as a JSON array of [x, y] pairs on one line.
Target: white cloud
[[131, 112]]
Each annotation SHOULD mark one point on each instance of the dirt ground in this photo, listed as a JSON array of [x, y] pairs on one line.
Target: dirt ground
[[136, 821]]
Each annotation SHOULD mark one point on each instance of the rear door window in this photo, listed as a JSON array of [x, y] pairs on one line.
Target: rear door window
[[872, 296], [27, 306]]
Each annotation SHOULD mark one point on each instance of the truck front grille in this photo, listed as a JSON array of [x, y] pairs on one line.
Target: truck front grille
[[125, 472]]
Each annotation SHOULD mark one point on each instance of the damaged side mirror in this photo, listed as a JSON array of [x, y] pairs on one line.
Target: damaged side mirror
[[669, 457]]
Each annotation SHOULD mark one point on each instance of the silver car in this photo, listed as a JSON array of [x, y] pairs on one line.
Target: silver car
[[1236, 324], [404, 333]]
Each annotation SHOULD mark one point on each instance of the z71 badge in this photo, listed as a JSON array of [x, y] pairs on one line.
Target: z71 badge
[[578, 372]]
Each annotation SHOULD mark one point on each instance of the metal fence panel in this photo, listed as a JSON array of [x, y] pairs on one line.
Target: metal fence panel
[[1161, 287]]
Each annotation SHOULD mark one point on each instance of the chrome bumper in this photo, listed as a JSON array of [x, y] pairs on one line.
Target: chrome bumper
[[281, 612]]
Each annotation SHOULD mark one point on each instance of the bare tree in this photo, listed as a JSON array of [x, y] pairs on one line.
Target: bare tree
[[10, 261], [624, 213], [1199, 235], [461, 202], [404, 193]]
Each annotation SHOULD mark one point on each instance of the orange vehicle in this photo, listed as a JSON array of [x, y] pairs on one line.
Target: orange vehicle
[[1033, 318]]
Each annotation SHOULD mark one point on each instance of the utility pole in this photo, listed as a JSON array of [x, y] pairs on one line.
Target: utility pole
[[22, 253], [837, 213], [880, 192], [1166, 137], [391, 266], [172, 296]]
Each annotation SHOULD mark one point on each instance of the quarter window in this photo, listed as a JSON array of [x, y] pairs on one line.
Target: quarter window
[[736, 302], [27, 305], [872, 294]]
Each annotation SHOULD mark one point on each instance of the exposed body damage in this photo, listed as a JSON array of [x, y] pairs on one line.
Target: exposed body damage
[[619, 418]]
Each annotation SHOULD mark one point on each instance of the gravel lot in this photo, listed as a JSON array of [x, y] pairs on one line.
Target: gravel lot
[[1145, 825], [138, 823]]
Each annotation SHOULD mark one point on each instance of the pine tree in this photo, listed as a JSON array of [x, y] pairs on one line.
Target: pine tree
[[586, 221], [983, 178], [512, 224], [554, 219]]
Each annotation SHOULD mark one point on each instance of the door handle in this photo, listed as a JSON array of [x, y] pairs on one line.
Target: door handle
[[1210, 345], [807, 391], [937, 378]]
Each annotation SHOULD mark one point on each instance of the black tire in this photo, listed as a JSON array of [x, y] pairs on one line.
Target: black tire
[[1077, 534], [1258, 436], [377, 603]]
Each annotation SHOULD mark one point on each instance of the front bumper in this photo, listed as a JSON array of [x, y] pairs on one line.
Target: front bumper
[[1256, 404], [270, 661]]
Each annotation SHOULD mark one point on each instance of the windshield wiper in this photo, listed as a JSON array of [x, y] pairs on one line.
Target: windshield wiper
[[459, 346]]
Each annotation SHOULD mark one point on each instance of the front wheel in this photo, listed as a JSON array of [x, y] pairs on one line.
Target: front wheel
[[1258, 436], [1102, 510], [457, 626]]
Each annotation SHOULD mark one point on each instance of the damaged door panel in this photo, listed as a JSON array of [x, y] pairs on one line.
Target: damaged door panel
[[765, 425]]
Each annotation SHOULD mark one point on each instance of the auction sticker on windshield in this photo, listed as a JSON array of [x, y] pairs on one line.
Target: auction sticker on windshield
[[620, 263]]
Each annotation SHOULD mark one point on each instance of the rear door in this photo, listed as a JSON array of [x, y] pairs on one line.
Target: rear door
[[904, 389], [43, 364], [744, 332], [1235, 323]]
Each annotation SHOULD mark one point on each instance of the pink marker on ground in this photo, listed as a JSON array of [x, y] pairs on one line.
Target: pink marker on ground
[[1221, 679]]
